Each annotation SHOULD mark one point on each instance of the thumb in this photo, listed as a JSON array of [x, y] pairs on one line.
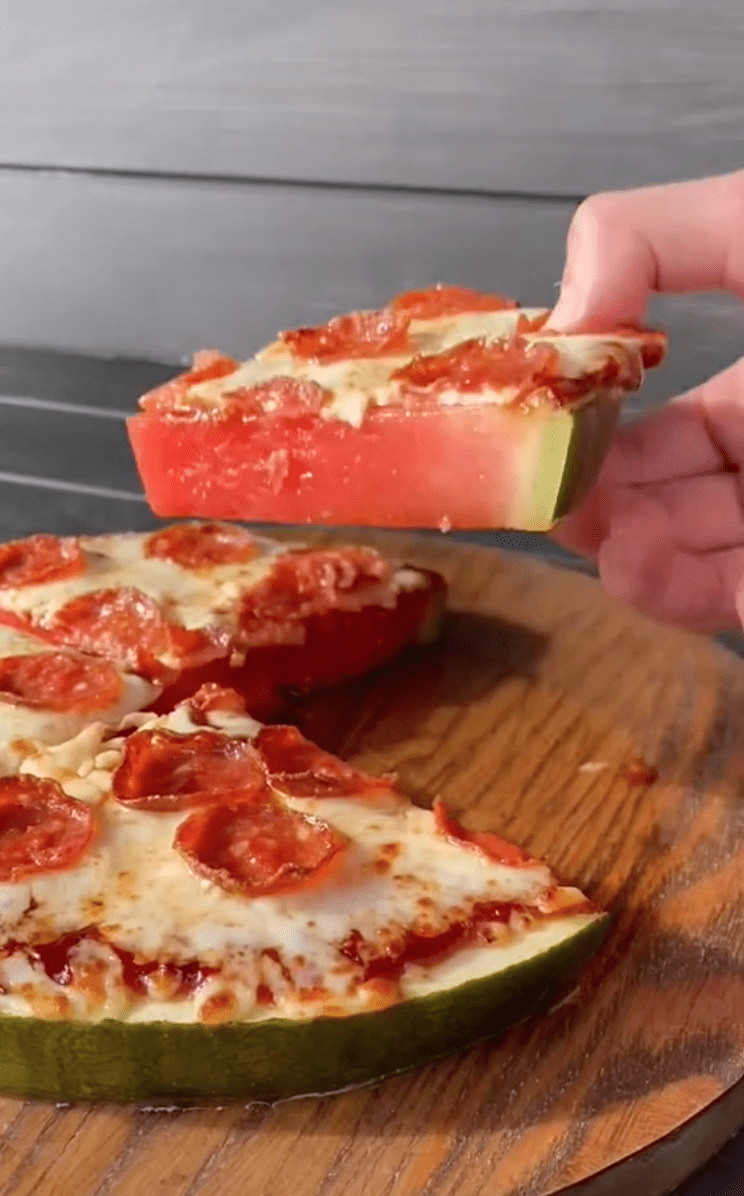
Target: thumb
[[609, 271]]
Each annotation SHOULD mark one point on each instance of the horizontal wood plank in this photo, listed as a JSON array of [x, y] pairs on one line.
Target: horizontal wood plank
[[544, 95], [25, 510], [158, 268], [76, 448], [77, 379]]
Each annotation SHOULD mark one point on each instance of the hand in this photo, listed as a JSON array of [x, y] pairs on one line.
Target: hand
[[665, 521]]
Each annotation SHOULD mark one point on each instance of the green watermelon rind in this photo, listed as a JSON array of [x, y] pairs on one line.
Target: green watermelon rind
[[275, 1059], [570, 453]]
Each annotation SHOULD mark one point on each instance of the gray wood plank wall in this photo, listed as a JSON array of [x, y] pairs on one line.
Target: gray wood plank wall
[[205, 172], [556, 96]]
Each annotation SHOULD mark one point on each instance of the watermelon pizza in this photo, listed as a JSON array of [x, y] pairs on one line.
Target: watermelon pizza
[[196, 902], [208, 602], [447, 408]]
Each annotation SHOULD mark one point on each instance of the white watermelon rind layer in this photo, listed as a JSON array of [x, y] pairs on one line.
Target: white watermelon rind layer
[[558, 460], [274, 1059]]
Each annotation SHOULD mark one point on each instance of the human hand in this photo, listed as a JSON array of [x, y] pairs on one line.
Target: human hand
[[665, 521]]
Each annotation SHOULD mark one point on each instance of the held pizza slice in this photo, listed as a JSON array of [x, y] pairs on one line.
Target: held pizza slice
[[446, 408], [203, 602], [198, 906]]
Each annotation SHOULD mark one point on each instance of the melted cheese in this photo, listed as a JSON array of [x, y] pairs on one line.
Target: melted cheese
[[208, 599], [399, 873], [444, 332], [355, 384], [193, 597]]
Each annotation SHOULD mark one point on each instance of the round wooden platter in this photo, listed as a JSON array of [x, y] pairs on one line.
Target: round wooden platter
[[527, 718]]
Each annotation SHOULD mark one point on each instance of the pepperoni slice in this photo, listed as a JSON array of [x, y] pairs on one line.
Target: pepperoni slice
[[41, 828], [288, 397], [60, 682], [299, 768], [487, 843], [131, 628], [165, 771], [255, 846], [308, 583], [440, 301], [40, 559], [208, 364], [215, 699], [359, 334], [201, 545], [475, 365]]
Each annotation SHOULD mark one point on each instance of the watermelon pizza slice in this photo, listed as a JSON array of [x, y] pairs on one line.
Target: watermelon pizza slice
[[447, 408], [208, 602], [198, 906]]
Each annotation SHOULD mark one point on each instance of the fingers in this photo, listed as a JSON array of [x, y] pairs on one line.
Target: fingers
[[665, 521], [640, 563], [705, 514], [624, 245], [699, 432], [673, 442], [698, 435], [673, 550]]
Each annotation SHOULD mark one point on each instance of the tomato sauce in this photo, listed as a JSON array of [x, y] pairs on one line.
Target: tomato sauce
[[415, 948], [55, 957]]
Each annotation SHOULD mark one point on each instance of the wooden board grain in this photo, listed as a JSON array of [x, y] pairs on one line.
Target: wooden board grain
[[154, 268], [544, 95], [538, 676]]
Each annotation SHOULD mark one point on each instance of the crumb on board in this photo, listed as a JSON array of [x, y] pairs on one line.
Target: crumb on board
[[638, 772]]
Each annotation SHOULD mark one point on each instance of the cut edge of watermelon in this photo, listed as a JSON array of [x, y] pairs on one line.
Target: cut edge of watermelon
[[569, 448]]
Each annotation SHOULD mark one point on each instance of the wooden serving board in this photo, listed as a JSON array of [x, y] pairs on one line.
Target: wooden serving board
[[527, 717]]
